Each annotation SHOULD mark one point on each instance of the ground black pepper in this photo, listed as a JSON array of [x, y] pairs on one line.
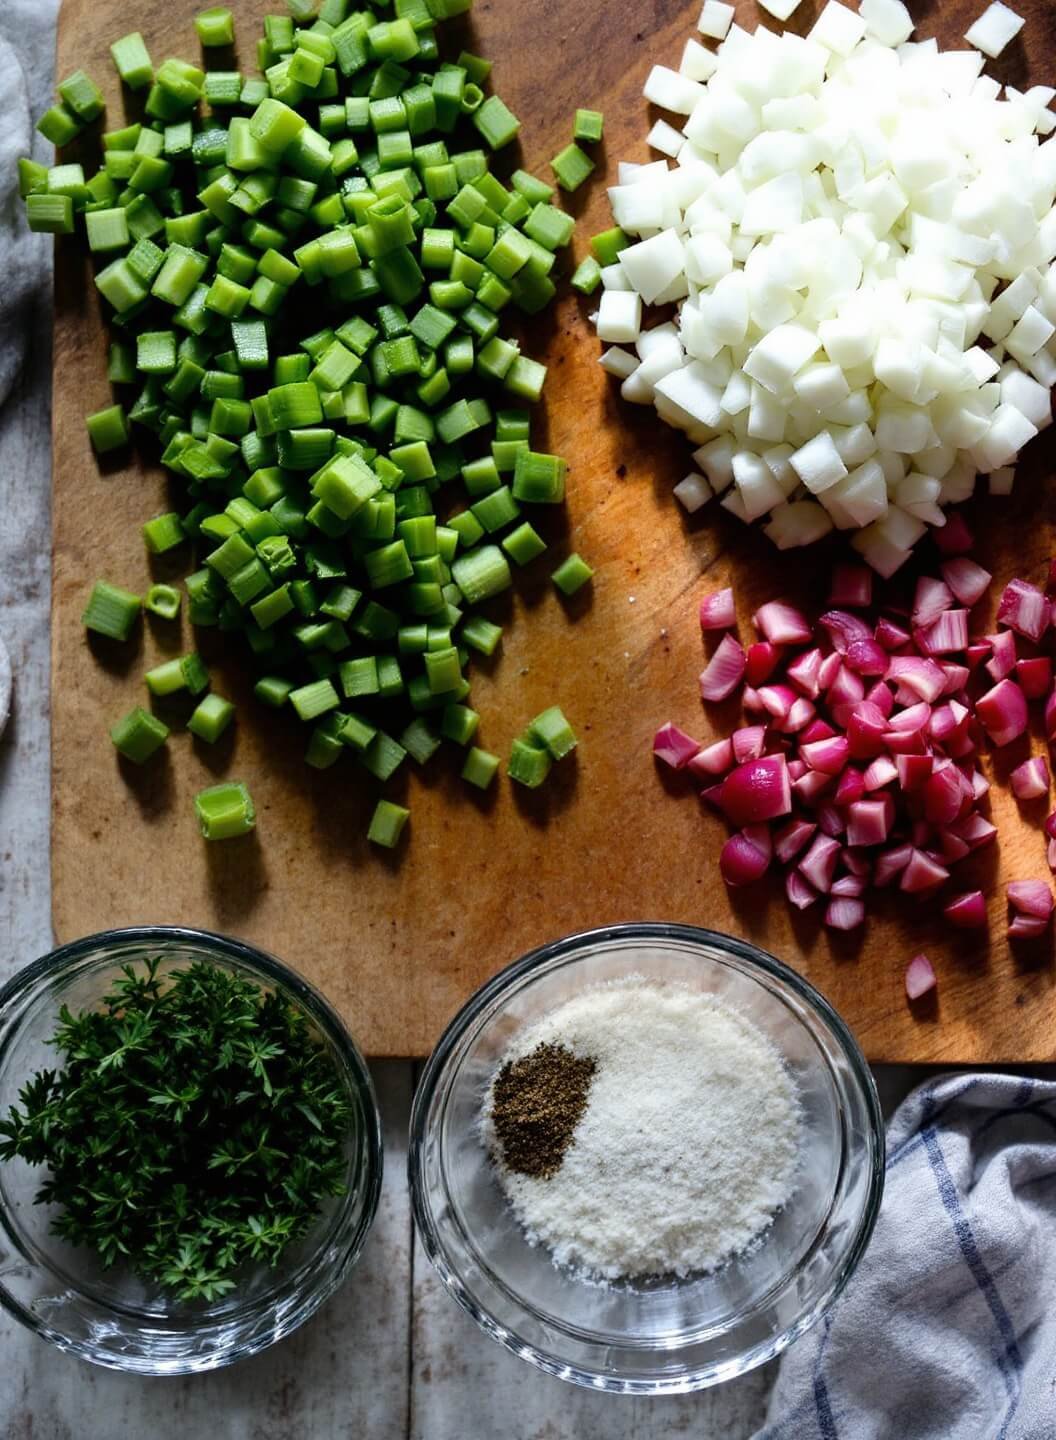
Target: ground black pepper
[[537, 1102]]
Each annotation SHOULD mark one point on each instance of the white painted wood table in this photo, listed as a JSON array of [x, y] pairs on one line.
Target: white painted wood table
[[391, 1356]]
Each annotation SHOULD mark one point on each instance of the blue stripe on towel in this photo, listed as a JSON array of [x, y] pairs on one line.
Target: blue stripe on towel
[[1010, 1362], [822, 1404]]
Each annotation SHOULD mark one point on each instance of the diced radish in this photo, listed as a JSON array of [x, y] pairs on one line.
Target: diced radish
[[920, 977], [851, 585], [674, 747], [931, 598], [1003, 712], [743, 859], [761, 662], [922, 873], [718, 611], [844, 914], [1030, 781], [1024, 609], [1034, 676], [967, 581], [714, 759], [724, 671], [782, 624], [756, 791], [967, 911], [800, 893], [791, 839]]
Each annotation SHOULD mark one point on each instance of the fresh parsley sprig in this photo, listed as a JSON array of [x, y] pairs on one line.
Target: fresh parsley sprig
[[196, 1125]]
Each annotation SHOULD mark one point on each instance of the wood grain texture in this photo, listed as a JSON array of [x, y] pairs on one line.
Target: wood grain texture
[[398, 943]]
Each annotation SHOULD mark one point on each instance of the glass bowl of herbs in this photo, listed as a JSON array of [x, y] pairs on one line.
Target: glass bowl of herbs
[[190, 1150], [565, 1107]]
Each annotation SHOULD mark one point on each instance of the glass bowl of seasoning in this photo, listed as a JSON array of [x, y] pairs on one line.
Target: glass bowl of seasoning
[[646, 1158], [190, 1150]]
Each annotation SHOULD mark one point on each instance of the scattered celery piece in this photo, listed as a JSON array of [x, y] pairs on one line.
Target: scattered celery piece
[[225, 811], [571, 166], [552, 730], [163, 601], [480, 767], [111, 611], [589, 126], [572, 574], [139, 735], [107, 429], [386, 824], [529, 763], [211, 717]]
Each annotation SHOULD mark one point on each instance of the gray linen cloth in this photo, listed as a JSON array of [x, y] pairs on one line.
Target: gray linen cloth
[[947, 1331]]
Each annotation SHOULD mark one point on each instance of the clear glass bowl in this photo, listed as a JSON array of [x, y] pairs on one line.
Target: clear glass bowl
[[111, 1317], [661, 1335]]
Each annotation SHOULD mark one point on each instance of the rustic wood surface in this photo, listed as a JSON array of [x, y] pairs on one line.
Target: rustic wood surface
[[399, 942]]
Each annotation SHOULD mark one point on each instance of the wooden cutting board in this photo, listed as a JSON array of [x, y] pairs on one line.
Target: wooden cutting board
[[399, 941]]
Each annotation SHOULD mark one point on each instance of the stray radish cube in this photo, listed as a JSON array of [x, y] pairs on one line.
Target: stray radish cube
[[715, 19], [995, 29]]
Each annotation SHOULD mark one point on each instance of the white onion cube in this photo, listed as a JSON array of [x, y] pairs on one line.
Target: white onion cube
[[887, 21], [671, 91], [837, 28], [693, 492], [619, 317], [653, 264], [780, 9], [715, 19], [780, 355], [818, 463], [995, 29]]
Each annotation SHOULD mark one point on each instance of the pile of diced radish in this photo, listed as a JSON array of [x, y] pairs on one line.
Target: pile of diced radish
[[857, 765], [859, 232]]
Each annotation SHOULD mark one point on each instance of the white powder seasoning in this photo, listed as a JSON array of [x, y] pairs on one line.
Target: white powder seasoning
[[688, 1144]]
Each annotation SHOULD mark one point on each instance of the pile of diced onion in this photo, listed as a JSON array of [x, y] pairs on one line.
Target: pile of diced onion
[[859, 233], [857, 766]]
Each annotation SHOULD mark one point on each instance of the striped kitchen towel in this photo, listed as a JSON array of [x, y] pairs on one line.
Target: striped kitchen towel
[[948, 1329]]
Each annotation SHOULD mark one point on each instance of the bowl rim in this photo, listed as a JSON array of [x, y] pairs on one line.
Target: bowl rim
[[566, 947], [326, 1280]]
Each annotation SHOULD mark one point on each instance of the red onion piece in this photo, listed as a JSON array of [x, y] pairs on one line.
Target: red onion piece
[[776, 699], [890, 863], [844, 914], [976, 830], [976, 652], [751, 702], [799, 892], [882, 697], [819, 863], [954, 538], [1002, 654], [748, 743], [803, 672], [891, 636], [856, 863], [1027, 927], [782, 624], [1003, 712], [966, 580], [829, 668], [809, 788], [869, 821], [947, 635], [816, 730], [916, 673], [931, 598], [1050, 854], [791, 839], [867, 657], [920, 977], [844, 629], [1050, 826], [922, 873], [742, 860], [913, 771], [1024, 609], [724, 671], [967, 911], [714, 759], [1030, 781], [718, 611], [674, 747], [865, 730], [942, 796], [952, 847], [957, 677], [1050, 717], [1031, 897], [850, 787], [762, 660], [829, 756], [756, 791], [830, 821], [800, 713], [880, 772], [851, 585], [1034, 676]]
